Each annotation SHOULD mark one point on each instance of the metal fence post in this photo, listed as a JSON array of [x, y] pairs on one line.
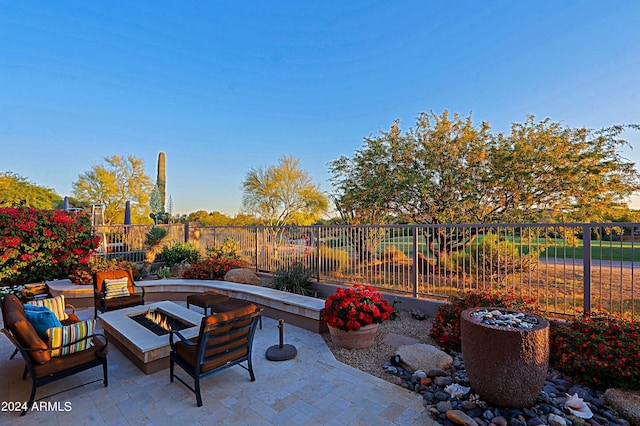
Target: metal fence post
[[414, 278], [255, 231], [586, 265], [317, 236]]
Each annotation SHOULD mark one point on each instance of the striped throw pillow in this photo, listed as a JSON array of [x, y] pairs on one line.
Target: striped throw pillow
[[70, 338], [117, 287], [55, 304]]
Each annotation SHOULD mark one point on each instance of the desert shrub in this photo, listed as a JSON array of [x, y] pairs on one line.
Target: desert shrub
[[394, 254], [332, 259], [445, 329], [599, 349], [179, 253], [498, 258], [155, 236], [163, 272], [228, 249], [212, 268], [295, 279]]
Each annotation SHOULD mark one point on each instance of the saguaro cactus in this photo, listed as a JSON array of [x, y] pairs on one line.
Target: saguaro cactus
[[162, 178]]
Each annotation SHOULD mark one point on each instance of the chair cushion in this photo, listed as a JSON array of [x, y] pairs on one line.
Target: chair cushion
[[41, 318], [120, 302], [72, 335], [56, 304], [27, 336], [99, 277], [61, 363], [116, 287]]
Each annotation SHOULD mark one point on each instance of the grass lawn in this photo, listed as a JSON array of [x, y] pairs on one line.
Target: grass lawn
[[556, 248]]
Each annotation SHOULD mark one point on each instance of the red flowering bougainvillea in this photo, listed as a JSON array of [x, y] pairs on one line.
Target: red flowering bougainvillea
[[599, 349], [212, 268], [42, 244], [351, 308], [83, 275]]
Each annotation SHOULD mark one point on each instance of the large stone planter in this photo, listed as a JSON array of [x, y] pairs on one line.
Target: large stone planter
[[506, 366], [354, 339]]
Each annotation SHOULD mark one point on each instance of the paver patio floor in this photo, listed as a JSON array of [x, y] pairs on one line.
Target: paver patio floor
[[311, 389]]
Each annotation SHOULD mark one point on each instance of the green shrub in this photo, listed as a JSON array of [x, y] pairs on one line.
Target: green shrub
[[212, 268], [164, 272], [332, 259], [295, 279], [228, 249], [179, 253], [155, 236], [599, 349], [499, 257], [445, 329]]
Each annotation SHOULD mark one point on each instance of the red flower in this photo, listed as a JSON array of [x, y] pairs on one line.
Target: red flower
[[352, 308]]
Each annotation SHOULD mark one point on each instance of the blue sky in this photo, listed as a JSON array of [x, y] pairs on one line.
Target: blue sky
[[225, 86]]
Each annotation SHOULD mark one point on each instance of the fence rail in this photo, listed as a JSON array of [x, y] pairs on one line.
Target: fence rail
[[566, 267]]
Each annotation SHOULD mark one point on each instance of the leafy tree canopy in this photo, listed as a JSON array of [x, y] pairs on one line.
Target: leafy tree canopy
[[114, 182], [16, 190], [448, 170], [214, 218], [283, 194]]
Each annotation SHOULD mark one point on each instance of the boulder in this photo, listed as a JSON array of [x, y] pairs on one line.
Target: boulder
[[626, 403], [242, 276], [423, 357]]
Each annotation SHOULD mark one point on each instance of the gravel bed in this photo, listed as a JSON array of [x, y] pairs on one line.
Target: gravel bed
[[371, 360]]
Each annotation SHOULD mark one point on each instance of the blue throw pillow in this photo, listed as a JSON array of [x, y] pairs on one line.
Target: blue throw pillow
[[42, 319]]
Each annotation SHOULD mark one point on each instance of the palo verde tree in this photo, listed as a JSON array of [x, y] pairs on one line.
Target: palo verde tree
[[446, 170], [283, 194], [16, 190], [113, 183]]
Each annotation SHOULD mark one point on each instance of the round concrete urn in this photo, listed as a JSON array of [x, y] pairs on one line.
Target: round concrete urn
[[506, 366]]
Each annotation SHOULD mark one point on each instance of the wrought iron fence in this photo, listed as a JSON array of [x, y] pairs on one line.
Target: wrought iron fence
[[565, 267]]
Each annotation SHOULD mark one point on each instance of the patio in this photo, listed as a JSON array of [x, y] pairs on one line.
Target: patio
[[312, 389]]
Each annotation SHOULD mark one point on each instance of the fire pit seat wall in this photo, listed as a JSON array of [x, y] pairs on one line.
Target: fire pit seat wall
[[506, 366]]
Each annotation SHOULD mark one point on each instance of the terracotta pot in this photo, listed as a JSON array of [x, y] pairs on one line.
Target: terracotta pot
[[354, 339], [506, 366]]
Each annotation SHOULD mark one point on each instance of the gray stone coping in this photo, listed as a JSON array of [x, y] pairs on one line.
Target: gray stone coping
[[309, 307]]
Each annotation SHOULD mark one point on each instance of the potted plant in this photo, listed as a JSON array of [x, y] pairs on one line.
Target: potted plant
[[353, 315]]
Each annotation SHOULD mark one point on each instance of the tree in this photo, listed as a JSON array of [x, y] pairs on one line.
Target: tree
[[214, 218], [112, 184], [283, 194], [448, 170], [16, 190]]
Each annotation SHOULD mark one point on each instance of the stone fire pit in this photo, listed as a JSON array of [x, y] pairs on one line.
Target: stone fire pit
[[506, 355]]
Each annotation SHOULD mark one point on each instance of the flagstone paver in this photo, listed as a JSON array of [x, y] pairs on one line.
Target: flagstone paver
[[311, 389]]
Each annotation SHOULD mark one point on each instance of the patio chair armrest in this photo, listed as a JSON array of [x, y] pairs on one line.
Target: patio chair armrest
[[181, 337], [69, 306], [138, 287]]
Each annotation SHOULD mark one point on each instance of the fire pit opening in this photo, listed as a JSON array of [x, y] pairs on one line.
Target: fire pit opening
[[160, 322]]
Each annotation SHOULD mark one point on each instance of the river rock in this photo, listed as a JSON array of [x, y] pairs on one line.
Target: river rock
[[459, 417], [423, 357], [242, 276], [626, 403], [556, 420]]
